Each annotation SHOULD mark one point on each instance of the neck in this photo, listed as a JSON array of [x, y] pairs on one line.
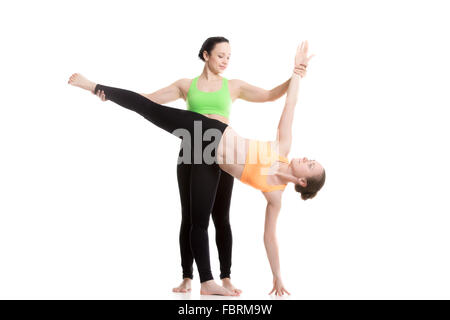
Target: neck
[[209, 75], [285, 174]]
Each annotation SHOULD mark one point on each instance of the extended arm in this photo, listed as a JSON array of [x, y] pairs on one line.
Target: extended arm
[[167, 94], [251, 93], [162, 96], [270, 239], [284, 132]]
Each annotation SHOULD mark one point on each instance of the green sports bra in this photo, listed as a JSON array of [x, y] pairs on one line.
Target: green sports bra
[[216, 102]]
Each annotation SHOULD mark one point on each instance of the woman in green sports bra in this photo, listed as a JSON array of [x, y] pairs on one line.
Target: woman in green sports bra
[[211, 95], [215, 102]]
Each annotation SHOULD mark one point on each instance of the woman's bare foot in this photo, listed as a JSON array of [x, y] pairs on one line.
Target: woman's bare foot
[[210, 287], [78, 80], [226, 283], [184, 287]]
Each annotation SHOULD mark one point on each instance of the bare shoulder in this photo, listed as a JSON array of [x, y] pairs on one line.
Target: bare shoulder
[[235, 85], [274, 197], [183, 83]]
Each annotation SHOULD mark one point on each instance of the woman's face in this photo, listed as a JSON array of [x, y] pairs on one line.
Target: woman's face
[[305, 168], [218, 59]]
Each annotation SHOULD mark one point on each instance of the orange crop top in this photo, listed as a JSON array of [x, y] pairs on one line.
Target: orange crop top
[[260, 157]]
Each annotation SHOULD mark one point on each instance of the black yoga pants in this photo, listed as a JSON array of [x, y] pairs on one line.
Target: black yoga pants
[[220, 215], [204, 177]]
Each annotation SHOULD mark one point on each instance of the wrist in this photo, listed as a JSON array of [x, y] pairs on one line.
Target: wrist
[[299, 71], [300, 65], [297, 74]]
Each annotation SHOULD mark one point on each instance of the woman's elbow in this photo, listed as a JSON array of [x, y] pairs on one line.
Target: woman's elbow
[[271, 96]]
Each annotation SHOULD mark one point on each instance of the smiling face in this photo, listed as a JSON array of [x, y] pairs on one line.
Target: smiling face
[[305, 168], [218, 59]]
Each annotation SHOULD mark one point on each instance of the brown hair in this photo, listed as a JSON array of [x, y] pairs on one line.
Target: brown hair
[[209, 45], [314, 184]]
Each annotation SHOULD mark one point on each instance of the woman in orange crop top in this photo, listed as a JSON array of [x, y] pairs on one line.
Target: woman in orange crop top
[[267, 168]]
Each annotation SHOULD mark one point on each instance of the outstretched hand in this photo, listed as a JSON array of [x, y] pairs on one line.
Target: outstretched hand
[[302, 59]]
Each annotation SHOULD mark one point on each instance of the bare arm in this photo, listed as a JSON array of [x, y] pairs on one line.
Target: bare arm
[[270, 239], [168, 94], [284, 132], [251, 93]]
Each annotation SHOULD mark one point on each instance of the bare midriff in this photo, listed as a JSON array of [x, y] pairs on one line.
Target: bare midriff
[[232, 148], [231, 152]]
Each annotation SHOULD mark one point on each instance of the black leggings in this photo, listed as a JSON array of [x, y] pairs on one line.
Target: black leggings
[[220, 215], [204, 177]]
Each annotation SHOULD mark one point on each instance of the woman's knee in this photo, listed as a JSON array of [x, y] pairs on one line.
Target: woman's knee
[[221, 220]]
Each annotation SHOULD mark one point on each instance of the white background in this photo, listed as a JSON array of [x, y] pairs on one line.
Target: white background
[[89, 205]]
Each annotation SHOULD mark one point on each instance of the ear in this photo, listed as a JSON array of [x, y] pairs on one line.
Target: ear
[[205, 55], [302, 182]]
